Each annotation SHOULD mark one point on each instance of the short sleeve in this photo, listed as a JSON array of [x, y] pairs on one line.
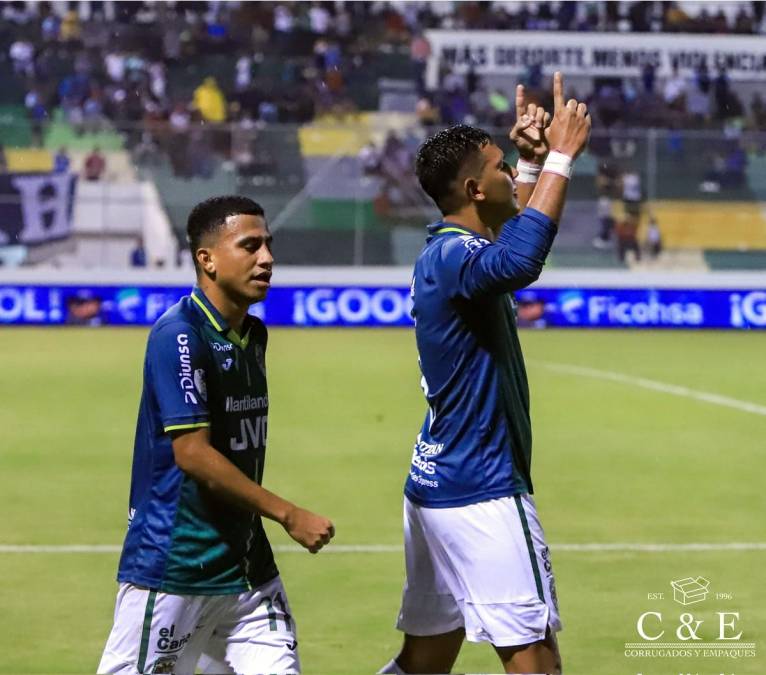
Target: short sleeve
[[177, 363]]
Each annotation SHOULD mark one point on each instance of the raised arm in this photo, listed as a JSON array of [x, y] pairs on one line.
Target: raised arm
[[529, 138], [474, 266], [567, 136]]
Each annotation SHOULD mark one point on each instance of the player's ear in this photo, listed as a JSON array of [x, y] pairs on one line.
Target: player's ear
[[472, 190], [205, 260]]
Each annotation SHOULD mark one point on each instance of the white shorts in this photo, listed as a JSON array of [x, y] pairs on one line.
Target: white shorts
[[484, 567], [154, 632]]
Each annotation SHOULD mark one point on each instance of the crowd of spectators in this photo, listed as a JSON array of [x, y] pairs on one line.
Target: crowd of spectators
[[118, 65], [704, 100]]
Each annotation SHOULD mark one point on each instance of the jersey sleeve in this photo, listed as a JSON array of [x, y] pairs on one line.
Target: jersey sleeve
[[177, 363], [470, 265]]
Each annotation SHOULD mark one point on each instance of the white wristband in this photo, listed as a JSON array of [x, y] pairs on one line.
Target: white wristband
[[529, 172], [559, 163]]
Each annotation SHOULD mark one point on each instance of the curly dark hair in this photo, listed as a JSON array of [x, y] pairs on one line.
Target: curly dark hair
[[440, 158]]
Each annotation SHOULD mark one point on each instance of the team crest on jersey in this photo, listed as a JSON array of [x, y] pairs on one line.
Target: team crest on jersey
[[199, 383], [260, 358], [164, 664], [473, 243]]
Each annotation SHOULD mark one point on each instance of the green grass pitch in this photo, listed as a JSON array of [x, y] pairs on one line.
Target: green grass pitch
[[613, 463]]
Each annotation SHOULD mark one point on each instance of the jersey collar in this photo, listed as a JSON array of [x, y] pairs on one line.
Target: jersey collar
[[217, 321], [443, 227]]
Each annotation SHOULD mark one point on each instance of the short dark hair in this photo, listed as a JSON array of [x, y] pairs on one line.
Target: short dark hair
[[210, 215], [441, 157]]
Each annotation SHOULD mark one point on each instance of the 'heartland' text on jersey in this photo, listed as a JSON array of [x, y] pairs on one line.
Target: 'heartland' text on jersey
[[476, 441]]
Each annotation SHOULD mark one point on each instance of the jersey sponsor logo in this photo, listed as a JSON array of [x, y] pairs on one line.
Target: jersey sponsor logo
[[428, 449], [185, 377], [168, 642], [222, 346], [423, 452], [246, 403], [199, 383], [422, 465], [425, 482], [252, 434]]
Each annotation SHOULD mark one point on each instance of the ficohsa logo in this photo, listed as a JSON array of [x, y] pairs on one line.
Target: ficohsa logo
[[570, 304], [612, 310], [748, 309], [128, 302], [355, 306]]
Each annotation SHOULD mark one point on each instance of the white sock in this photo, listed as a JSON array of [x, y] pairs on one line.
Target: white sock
[[392, 668]]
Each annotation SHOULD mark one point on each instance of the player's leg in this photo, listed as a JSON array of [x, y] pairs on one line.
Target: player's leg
[[539, 657], [498, 551], [213, 657], [542, 655], [430, 616], [256, 634], [427, 653], [154, 632]]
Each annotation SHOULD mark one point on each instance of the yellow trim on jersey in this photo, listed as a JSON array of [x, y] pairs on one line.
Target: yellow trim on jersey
[[231, 335], [178, 427], [237, 340], [209, 315], [459, 230]]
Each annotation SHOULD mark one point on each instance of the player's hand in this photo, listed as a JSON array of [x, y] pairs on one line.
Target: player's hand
[[308, 529], [570, 128], [528, 134]]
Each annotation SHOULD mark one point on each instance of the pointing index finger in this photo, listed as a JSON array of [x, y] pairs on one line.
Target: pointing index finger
[[520, 105], [558, 90]]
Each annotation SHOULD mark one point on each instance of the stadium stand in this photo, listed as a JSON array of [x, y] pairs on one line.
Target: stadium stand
[[322, 112]]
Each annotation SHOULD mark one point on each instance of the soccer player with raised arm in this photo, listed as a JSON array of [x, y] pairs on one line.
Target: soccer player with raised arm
[[197, 575], [476, 559]]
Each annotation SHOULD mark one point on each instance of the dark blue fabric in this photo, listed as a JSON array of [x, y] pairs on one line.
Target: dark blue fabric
[[475, 443], [167, 400], [180, 539]]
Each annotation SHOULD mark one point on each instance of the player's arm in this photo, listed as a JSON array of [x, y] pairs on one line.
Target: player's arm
[[177, 363], [528, 135], [203, 463], [568, 136], [516, 258]]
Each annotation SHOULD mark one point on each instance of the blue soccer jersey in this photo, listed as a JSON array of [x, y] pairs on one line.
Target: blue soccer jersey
[[476, 441], [198, 373]]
